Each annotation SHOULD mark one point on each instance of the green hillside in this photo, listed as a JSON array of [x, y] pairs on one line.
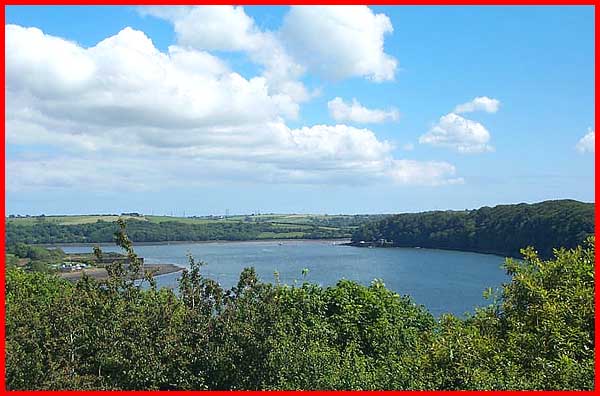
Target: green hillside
[[503, 229], [142, 228]]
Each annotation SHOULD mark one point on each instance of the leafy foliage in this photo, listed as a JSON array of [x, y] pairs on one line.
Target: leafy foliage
[[23, 250], [537, 333], [145, 231], [37, 258], [503, 229]]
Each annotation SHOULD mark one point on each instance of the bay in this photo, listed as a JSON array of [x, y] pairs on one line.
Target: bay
[[443, 281]]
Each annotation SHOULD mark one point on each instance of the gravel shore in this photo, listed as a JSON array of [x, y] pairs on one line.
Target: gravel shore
[[101, 274]]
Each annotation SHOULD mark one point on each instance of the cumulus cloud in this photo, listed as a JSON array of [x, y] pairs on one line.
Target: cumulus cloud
[[480, 103], [458, 133], [127, 75], [587, 142], [229, 28], [340, 41], [462, 134], [225, 28], [335, 42], [124, 113], [355, 112]]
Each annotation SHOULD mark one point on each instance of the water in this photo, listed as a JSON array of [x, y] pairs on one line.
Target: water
[[444, 281]]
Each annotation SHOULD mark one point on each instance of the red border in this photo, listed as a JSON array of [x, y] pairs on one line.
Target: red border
[[308, 2], [595, 3], [2, 221], [596, 189]]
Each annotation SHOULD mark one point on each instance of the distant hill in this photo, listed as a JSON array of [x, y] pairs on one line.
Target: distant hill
[[503, 229], [101, 228]]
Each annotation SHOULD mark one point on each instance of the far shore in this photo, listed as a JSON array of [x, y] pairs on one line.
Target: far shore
[[91, 244]]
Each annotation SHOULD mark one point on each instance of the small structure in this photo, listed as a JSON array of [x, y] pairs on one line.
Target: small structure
[[71, 266]]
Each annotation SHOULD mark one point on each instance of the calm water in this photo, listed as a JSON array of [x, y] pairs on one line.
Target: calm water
[[443, 281]]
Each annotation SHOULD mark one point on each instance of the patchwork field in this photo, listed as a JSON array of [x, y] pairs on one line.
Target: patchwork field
[[284, 220], [148, 228]]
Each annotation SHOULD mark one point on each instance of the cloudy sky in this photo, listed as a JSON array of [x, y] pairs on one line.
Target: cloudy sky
[[305, 109]]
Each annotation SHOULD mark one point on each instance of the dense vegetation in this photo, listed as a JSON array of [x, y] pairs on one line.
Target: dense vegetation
[[537, 333], [146, 231], [33, 258], [503, 229]]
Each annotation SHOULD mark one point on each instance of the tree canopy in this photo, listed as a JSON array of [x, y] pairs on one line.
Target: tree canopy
[[503, 229], [144, 231]]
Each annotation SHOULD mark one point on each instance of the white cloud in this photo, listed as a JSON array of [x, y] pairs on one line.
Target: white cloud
[[128, 76], [355, 112], [408, 147], [225, 28], [336, 42], [67, 173], [129, 114], [587, 142], [480, 103], [431, 173], [98, 173], [228, 28], [462, 134], [458, 133], [340, 41]]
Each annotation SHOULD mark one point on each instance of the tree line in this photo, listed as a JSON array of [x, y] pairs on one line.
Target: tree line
[[503, 229], [146, 231], [536, 333], [34, 258]]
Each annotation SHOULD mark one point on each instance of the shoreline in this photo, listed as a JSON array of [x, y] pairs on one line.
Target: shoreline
[[100, 274], [91, 244], [486, 252]]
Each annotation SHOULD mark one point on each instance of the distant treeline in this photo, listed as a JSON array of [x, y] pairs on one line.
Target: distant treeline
[[145, 231], [503, 229]]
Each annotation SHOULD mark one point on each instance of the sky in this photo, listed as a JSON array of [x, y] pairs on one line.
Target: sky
[[207, 110]]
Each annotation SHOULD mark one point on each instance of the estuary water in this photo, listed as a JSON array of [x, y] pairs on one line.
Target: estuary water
[[443, 281]]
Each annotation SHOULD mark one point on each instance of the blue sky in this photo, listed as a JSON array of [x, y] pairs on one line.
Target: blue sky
[[240, 114]]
